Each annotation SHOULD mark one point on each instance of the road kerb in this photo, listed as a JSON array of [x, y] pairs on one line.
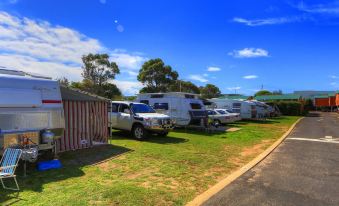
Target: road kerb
[[200, 199]]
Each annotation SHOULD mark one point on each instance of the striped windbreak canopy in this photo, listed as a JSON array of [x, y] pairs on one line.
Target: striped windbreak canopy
[[86, 119]]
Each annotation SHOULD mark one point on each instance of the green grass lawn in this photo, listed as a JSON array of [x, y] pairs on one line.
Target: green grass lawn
[[158, 171]]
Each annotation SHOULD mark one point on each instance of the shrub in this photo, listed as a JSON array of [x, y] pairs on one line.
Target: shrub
[[291, 108]]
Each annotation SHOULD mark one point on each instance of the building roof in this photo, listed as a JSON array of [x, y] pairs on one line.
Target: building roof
[[278, 97], [72, 94], [310, 94], [321, 96], [235, 97]]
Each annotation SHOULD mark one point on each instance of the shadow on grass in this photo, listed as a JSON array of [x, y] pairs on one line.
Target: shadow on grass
[[274, 120], [123, 135], [198, 132], [72, 163]]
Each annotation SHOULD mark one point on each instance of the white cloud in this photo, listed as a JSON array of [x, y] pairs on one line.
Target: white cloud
[[128, 87], [331, 8], [269, 21], [333, 77], [46, 68], [234, 88], [249, 53], [205, 75], [42, 41], [103, 1], [55, 51], [126, 60], [250, 77], [198, 77], [213, 69]]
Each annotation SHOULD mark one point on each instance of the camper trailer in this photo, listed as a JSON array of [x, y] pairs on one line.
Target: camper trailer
[[183, 108], [247, 109], [31, 110]]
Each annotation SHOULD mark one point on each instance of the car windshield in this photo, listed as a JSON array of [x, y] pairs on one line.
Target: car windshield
[[221, 111], [141, 108], [230, 111]]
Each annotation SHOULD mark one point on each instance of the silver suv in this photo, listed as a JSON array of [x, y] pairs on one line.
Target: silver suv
[[140, 119]]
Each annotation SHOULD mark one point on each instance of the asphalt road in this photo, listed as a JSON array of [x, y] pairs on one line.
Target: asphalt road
[[303, 170]]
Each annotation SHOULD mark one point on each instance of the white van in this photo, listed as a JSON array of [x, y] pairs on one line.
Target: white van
[[31, 110], [183, 108], [247, 109]]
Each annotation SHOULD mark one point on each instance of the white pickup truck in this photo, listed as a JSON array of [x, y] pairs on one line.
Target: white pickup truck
[[140, 119]]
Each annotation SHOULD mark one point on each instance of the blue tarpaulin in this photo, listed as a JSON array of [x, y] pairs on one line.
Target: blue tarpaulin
[[48, 165]]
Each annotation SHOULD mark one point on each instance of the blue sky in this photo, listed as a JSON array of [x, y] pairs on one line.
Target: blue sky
[[237, 45]]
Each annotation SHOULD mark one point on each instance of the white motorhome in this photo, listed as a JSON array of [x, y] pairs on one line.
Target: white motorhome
[[183, 108], [247, 109], [31, 110]]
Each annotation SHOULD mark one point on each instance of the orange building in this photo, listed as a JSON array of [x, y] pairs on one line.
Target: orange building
[[329, 101]]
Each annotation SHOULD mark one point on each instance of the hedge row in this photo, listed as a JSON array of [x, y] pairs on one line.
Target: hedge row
[[292, 108]]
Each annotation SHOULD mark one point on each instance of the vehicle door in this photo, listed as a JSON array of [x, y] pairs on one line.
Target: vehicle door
[[124, 119], [113, 115]]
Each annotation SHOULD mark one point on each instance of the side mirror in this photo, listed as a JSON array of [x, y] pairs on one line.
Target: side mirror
[[127, 111]]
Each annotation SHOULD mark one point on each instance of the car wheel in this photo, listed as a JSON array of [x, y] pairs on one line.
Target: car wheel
[[139, 132], [217, 123], [163, 134]]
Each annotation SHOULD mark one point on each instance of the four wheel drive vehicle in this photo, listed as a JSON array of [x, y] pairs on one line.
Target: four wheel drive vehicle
[[218, 118], [138, 118], [235, 116], [183, 108]]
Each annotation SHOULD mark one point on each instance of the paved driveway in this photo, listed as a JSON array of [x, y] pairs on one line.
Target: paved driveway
[[303, 170]]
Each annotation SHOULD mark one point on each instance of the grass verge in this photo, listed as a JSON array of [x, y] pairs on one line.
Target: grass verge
[[159, 171]]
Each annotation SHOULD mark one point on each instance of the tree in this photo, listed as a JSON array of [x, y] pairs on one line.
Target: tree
[[98, 69], [263, 92], [110, 91], [277, 92], [210, 91], [63, 81], [97, 72], [184, 86], [156, 76]]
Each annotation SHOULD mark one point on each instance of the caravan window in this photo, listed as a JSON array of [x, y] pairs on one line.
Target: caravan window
[[189, 96], [144, 102], [195, 106], [163, 106], [236, 107], [157, 96], [236, 104]]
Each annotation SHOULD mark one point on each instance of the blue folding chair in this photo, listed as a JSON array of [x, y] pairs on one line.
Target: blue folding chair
[[8, 164]]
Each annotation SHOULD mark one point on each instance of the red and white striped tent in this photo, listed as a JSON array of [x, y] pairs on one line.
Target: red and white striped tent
[[86, 120]]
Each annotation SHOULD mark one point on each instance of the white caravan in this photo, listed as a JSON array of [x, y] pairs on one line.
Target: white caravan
[[247, 109], [262, 109], [183, 108], [31, 110]]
